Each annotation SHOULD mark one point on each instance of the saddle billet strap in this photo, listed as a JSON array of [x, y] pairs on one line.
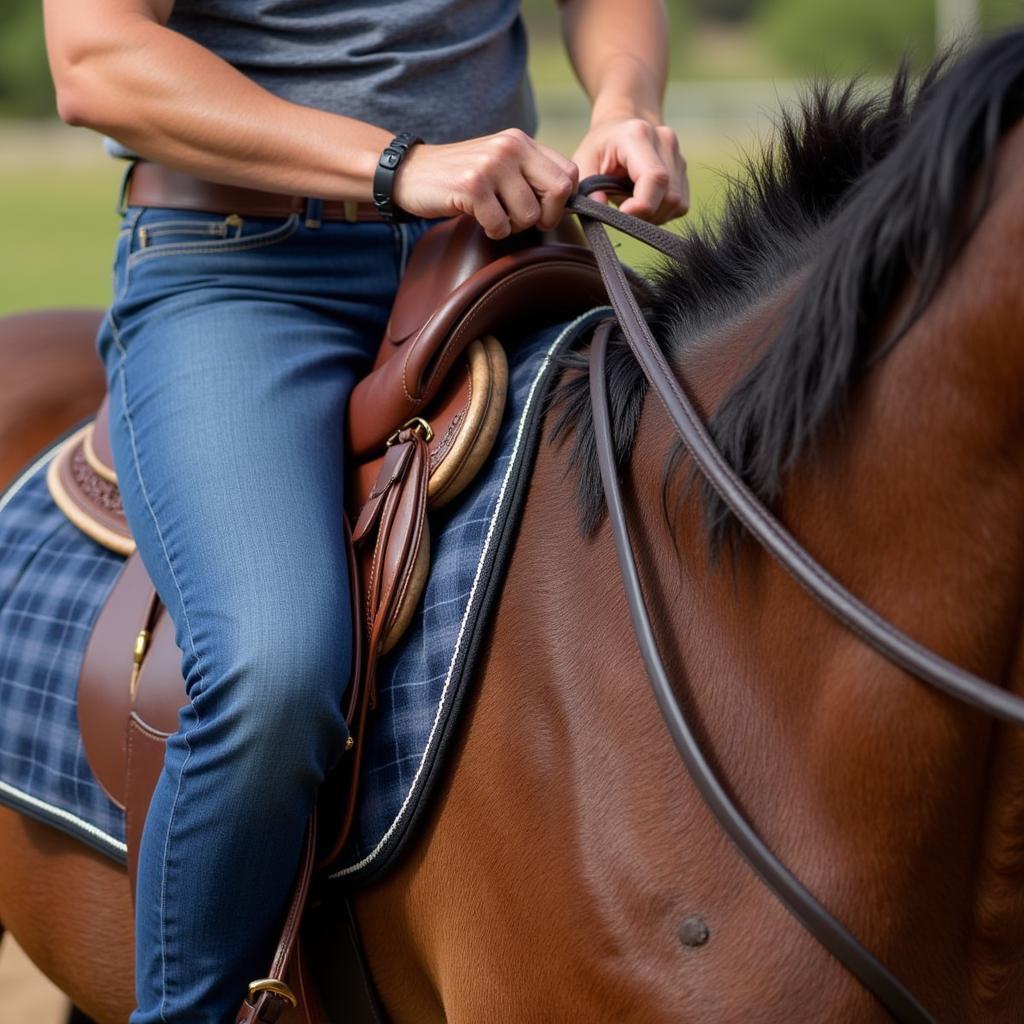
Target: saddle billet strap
[[794, 896], [394, 522]]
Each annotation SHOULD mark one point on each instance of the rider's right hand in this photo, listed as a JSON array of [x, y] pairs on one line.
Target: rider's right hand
[[507, 182]]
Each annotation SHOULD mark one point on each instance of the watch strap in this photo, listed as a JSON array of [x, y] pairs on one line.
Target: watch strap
[[384, 176]]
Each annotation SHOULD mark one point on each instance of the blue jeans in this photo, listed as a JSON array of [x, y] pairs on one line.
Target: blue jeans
[[230, 350]]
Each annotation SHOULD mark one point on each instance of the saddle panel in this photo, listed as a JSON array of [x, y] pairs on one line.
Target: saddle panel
[[91, 501]]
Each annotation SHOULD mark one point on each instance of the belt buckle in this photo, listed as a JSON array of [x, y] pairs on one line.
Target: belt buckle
[[126, 179], [351, 211]]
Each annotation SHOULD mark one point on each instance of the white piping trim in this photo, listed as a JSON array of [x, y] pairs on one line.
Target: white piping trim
[[8, 495], [371, 856], [58, 812]]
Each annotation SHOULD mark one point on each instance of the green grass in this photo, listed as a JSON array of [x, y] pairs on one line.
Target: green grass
[[58, 230]]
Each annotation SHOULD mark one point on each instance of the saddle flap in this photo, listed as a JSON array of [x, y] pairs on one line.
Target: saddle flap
[[464, 419], [104, 692], [160, 688]]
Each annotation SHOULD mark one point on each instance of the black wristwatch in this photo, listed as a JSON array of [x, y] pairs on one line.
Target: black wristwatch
[[384, 176]]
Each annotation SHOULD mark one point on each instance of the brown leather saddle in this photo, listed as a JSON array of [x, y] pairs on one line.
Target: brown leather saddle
[[420, 426]]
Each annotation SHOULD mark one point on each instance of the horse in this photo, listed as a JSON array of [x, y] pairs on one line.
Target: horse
[[847, 331]]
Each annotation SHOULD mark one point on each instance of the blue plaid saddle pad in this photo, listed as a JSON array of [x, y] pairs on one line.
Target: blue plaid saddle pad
[[54, 580]]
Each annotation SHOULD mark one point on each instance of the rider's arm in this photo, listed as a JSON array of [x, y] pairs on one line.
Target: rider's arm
[[119, 70], [620, 54]]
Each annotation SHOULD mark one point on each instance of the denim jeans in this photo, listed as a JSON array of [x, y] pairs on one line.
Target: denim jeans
[[230, 349]]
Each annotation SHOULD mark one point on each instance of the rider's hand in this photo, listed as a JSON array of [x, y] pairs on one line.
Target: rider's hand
[[507, 181], [648, 154]]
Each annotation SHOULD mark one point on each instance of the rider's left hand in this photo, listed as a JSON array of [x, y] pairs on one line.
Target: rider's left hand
[[645, 152]]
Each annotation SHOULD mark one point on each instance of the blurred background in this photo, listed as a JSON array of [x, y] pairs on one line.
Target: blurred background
[[734, 64]]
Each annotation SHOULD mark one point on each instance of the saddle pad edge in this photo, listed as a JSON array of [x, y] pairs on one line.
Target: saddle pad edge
[[57, 817], [391, 844]]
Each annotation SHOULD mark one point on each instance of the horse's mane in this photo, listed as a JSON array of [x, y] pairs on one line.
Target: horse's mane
[[865, 192]]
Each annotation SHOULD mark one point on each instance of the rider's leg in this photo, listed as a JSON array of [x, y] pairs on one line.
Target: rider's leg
[[229, 369]]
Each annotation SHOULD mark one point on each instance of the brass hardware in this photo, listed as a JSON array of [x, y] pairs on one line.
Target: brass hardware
[[351, 211], [233, 220], [138, 653], [349, 743], [143, 237], [274, 987], [416, 423]]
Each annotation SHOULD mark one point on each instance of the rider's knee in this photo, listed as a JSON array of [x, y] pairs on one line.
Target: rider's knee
[[274, 697]]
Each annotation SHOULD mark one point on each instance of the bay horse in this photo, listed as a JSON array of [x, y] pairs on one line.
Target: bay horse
[[850, 332]]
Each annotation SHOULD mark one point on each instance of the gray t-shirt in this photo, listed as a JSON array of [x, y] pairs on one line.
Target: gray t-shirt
[[444, 69]]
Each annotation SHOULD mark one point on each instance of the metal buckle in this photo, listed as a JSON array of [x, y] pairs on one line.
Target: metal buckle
[[275, 987], [314, 212], [122, 196], [138, 654], [416, 423], [351, 211]]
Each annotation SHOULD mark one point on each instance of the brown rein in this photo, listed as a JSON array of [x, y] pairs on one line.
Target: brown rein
[[836, 599]]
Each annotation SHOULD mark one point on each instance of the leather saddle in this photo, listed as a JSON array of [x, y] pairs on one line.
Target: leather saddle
[[420, 425]]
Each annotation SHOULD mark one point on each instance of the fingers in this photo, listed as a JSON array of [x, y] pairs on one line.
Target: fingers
[[520, 202], [652, 159], [552, 178], [513, 183], [676, 201]]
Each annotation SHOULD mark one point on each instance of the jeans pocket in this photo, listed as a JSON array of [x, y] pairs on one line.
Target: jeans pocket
[[159, 232]]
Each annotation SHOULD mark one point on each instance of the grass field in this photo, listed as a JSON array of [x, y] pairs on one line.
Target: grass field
[[58, 189]]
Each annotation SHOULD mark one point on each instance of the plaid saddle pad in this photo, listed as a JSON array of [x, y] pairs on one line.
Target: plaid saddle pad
[[54, 581]]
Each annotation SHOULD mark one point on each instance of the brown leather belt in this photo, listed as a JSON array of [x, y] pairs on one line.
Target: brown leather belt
[[151, 184]]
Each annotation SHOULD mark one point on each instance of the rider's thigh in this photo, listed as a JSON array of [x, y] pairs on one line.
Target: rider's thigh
[[229, 369]]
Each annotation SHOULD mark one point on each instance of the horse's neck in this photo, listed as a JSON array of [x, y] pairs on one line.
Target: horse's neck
[[914, 500]]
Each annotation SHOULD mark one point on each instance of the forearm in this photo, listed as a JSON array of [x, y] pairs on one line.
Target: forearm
[[619, 51], [169, 99]]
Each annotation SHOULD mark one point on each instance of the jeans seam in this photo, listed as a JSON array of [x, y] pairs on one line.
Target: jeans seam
[[122, 359]]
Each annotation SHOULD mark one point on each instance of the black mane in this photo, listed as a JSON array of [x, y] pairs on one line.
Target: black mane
[[865, 192]]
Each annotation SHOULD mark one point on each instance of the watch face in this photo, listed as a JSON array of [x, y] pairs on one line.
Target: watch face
[[389, 158]]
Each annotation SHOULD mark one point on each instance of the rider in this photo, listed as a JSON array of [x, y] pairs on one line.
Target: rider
[[239, 323]]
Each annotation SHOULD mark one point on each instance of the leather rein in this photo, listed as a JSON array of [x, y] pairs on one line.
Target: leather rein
[[874, 630]]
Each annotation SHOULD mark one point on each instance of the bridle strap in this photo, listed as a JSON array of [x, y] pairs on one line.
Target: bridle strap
[[768, 531], [794, 896], [850, 610]]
